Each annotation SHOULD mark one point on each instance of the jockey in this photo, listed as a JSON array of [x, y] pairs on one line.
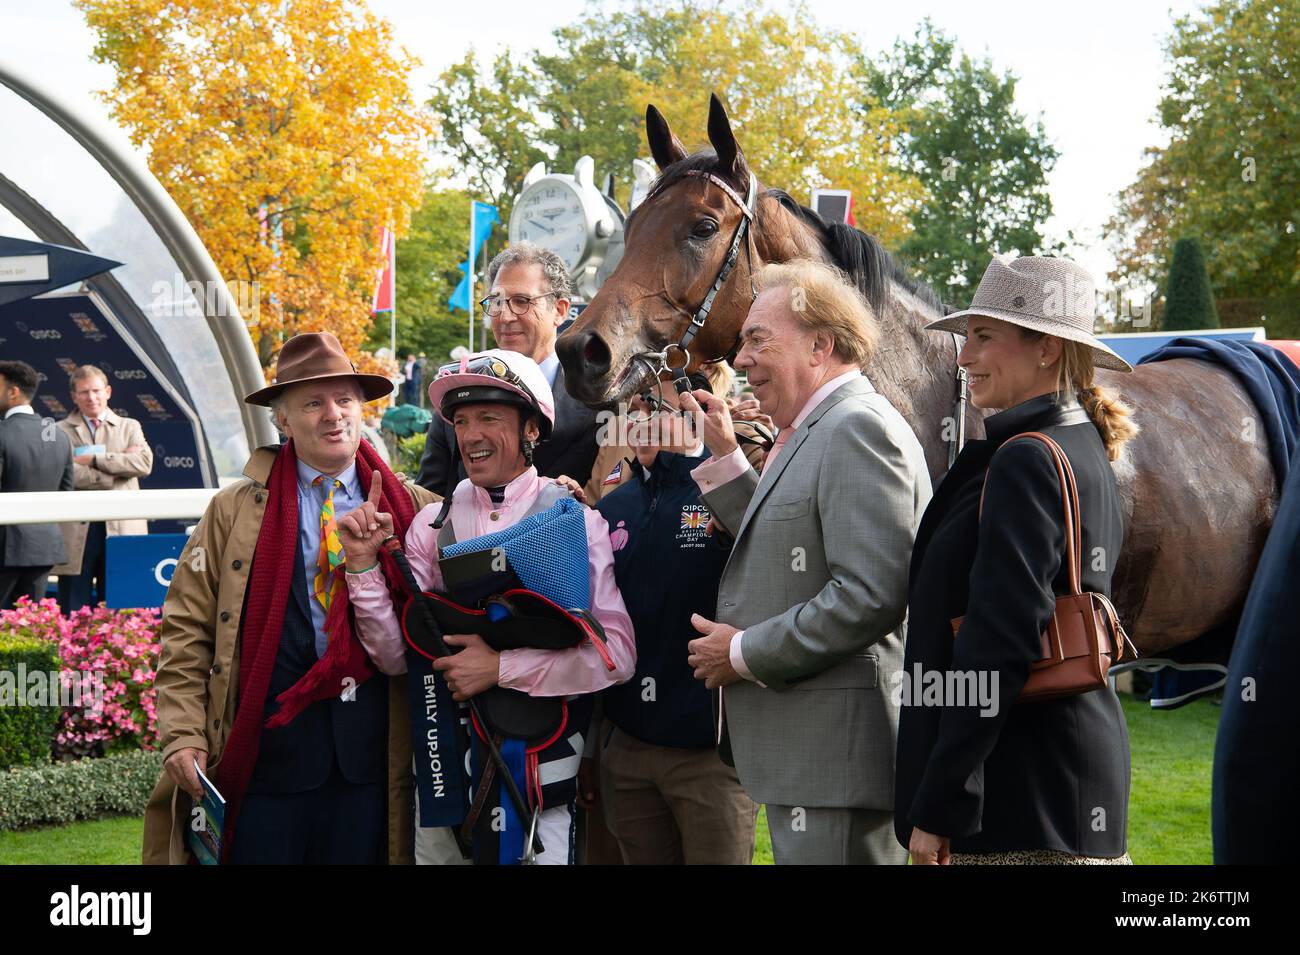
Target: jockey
[[500, 406]]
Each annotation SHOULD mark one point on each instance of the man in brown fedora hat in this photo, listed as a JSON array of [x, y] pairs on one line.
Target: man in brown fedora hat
[[264, 685]]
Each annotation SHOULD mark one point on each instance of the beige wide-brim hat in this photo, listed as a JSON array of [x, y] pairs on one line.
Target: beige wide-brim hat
[[1050, 295]]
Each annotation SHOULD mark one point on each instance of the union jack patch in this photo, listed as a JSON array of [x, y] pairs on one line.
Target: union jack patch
[[694, 520]]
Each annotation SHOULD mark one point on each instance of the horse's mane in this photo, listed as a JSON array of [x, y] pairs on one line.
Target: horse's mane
[[866, 262]]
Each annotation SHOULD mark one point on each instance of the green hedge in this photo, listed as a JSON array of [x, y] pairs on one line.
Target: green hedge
[[26, 731], [58, 793], [1189, 300]]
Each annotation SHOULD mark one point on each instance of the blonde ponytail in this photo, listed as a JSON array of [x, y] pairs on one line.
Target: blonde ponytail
[[1111, 416]]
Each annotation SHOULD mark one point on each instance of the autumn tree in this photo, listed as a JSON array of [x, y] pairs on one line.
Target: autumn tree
[[1230, 173], [286, 133]]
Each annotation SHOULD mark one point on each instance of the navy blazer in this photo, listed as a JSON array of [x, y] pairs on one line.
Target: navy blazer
[[354, 733]]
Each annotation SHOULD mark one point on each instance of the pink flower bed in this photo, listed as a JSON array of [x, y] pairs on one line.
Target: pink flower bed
[[115, 648]]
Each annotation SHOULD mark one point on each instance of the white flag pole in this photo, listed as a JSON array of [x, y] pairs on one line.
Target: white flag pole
[[469, 275], [392, 292]]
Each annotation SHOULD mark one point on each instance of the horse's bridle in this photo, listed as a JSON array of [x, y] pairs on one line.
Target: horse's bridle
[[958, 440], [659, 362]]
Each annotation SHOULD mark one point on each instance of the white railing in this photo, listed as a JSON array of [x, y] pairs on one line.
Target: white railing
[[52, 507]]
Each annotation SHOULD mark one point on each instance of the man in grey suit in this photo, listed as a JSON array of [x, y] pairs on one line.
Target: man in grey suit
[[812, 605], [527, 302], [34, 456]]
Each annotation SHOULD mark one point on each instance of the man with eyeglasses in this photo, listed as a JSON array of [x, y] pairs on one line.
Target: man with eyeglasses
[[528, 298]]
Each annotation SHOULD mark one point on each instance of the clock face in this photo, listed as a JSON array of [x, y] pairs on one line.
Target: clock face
[[550, 214]]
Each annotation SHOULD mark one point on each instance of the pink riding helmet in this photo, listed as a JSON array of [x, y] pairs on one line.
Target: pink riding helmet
[[494, 375]]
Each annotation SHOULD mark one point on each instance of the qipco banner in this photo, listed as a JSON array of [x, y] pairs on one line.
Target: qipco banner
[[59, 333]]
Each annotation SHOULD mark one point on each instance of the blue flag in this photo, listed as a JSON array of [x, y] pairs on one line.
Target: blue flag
[[484, 216]]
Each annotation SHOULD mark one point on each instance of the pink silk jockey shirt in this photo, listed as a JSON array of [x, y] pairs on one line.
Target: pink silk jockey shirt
[[579, 669]]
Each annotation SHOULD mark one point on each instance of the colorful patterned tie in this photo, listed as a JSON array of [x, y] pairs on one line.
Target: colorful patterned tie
[[325, 585]]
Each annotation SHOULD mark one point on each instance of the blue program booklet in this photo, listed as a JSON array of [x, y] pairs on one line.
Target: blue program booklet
[[90, 449], [206, 820]]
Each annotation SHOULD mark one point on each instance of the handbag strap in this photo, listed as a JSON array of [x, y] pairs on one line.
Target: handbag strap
[[1069, 506]]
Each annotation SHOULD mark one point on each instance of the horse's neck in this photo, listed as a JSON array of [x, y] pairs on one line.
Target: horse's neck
[[916, 370]]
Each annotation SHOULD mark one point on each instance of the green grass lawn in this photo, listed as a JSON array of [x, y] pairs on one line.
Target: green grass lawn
[[111, 841], [1169, 806]]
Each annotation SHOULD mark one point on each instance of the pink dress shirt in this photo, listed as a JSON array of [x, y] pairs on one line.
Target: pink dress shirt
[[716, 472], [579, 669]]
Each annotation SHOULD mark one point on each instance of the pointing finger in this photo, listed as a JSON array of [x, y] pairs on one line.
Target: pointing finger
[[376, 487]]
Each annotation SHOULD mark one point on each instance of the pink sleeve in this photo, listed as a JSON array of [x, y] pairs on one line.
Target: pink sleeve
[[738, 659], [716, 472], [581, 669], [372, 604]]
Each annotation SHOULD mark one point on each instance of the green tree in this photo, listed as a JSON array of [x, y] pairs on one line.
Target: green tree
[[1189, 301], [788, 83], [1231, 171], [427, 274], [491, 133], [984, 166]]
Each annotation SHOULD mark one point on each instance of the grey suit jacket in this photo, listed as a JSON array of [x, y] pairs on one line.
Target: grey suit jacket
[[34, 456], [818, 581]]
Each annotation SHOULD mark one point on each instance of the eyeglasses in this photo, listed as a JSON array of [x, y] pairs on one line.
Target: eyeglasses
[[519, 304]]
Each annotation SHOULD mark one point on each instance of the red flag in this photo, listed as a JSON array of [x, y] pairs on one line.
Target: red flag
[[385, 280]]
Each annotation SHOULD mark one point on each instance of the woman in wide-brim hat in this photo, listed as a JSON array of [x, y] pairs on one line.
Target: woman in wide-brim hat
[[991, 779]]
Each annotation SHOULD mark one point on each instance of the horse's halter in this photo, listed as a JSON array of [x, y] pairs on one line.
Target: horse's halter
[[658, 362]]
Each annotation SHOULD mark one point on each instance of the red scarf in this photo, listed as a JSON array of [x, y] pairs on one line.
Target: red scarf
[[268, 594]]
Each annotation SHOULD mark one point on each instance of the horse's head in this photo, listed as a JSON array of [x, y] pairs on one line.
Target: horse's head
[[676, 243]]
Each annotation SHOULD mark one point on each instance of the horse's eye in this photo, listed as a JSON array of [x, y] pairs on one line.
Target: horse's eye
[[704, 229]]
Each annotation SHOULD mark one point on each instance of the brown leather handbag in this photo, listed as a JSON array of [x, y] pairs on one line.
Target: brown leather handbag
[[1084, 636]]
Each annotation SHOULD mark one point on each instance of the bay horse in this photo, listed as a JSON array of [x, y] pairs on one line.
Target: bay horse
[[1197, 486]]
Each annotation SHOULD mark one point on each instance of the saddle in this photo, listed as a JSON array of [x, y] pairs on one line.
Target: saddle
[[511, 619], [486, 596]]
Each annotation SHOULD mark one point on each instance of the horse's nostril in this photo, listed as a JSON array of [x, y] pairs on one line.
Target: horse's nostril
[[595, 354]]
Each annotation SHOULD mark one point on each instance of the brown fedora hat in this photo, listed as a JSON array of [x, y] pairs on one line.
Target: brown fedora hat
[[312, 356]]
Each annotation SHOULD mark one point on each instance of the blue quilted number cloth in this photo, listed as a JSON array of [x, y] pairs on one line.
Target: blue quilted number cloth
[[548, 551]]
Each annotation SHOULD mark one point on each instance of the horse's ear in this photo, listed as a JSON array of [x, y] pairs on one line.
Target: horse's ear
[[730, 158], [664, 146]]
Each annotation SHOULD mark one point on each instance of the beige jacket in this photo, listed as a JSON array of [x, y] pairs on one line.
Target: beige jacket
[[114, 470], [198, 671]]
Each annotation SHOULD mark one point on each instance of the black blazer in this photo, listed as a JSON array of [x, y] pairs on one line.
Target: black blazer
[[570, 450], [1052, 775], [33, 457]]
